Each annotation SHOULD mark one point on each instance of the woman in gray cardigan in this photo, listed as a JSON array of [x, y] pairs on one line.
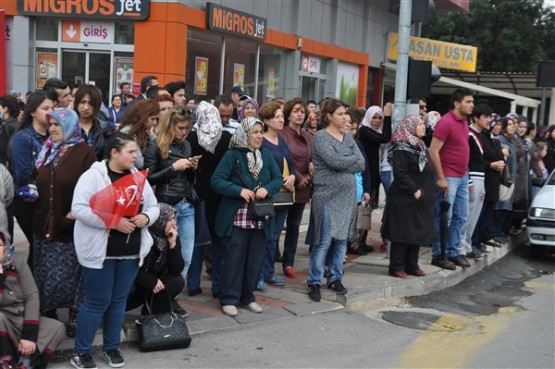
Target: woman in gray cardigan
[[336, 159]]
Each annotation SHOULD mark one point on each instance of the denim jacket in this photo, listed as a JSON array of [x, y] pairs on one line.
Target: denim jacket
[[25, 147]]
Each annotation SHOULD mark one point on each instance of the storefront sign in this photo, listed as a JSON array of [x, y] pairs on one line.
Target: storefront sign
[[86, 9], [271, 91], [311, 64], [86, 31], [222, 19], [46, 67], [347, 83], [238, 74], [123, 71], [201, 76], [442, 54]]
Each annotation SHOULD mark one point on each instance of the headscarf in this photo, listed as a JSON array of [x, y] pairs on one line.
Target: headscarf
[[209, 126], [240, 140], [158, 232], [248, 101], [71, 135], [495, 120], [367, 120], [405, 139], [8, 248], [433, 118]]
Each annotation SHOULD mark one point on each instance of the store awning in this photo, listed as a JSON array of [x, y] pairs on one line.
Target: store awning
[[517, 99]]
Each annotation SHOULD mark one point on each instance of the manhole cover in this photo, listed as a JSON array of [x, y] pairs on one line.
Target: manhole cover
[[423, 321]]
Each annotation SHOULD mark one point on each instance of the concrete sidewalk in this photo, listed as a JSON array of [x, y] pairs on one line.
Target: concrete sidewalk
[[366, 278]]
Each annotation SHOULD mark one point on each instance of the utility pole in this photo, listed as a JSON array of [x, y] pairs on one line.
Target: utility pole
[[402, 70]]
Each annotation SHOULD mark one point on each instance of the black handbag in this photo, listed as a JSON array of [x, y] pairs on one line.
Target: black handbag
[[159, 332], [262, 209], [283, 199], [202, 231]]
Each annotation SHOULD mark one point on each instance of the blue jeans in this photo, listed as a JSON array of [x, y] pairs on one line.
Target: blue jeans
[[319, 252], [195, 271], [185, 219], [268, 269], [294, 218], [242, 259], [106, 292], [457, 196], [385, 177]]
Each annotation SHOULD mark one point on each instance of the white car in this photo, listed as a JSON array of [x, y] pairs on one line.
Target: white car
[[541, 219]]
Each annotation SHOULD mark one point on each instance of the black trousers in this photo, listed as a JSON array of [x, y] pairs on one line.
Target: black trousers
[[403, 257], [161, 301]]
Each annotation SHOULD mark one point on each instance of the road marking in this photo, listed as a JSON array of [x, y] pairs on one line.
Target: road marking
[[440, 349], [544, 286]]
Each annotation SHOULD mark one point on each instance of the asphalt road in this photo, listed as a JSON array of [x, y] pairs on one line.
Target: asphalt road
[[499, 318]]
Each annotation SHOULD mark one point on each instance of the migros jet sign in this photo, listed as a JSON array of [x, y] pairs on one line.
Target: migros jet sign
[[104, 9], [241, 24]]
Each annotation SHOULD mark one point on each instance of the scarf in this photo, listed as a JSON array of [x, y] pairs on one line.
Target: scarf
[[158, 232], [209, 126], [52, 151], [367, 120], [405, 139], [249, 101], [240, 140], [9, 249]]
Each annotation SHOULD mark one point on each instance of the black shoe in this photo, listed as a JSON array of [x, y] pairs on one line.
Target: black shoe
[[83, 361], [493, 243], [216, 294], [502, 239], [114, 358], [356, 251], [443, 264], [314, 292], [196, 291], [460, 260], [177, 309], [367, 248], [482, 248], [474, 254], [338, 287]]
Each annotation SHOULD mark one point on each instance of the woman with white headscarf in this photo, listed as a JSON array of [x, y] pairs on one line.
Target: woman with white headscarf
[[375, 130], [210, 141], [246, 172]]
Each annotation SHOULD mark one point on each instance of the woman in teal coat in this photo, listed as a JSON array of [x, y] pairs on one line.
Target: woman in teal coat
[[246, 172]]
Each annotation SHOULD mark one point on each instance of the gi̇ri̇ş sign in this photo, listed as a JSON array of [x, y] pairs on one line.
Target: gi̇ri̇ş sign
[[444, 55]]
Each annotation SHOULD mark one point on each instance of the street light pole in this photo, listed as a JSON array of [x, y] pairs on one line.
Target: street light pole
[[402, 70]]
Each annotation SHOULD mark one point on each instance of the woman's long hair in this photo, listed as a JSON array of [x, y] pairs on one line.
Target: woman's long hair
[[165, 134], [137, 118], [33, 102]]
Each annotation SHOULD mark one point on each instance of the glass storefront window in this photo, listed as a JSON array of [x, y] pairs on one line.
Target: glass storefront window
[[125, 33], [46, 29], [203, 63], [271, 74], [240, 64]]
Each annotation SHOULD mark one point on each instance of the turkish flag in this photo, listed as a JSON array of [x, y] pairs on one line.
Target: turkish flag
[[120, 199]]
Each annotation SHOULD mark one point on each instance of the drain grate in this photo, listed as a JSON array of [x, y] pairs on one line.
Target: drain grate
[[423, 321]]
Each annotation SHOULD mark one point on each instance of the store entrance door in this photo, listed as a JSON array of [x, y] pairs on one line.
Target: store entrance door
[[312, 88], [79, 67]]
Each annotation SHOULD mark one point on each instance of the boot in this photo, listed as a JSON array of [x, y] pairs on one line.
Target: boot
[[71, 327]]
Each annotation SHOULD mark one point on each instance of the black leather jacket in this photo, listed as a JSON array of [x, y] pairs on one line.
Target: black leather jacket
[[171, 185]]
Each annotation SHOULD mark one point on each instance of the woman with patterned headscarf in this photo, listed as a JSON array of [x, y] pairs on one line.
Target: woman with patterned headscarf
[[247, 172], [411, 199], [24, 336], [60, 163], [159, 279], [211, 141]]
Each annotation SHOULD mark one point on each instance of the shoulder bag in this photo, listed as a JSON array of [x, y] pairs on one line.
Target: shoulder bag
[[159, 332], [284, 198], [506, 186], [364, 217], [262, 209]]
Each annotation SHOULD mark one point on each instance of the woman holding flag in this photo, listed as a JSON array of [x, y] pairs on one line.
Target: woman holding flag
[[113, 205]]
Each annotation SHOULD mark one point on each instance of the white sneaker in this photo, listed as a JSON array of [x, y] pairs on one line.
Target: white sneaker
[[229, 310], [254, 307]]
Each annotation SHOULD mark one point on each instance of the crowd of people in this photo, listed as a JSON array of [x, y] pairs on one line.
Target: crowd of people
[[201, 166]]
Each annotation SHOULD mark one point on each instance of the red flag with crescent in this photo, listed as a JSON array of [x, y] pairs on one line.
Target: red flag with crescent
[[120, 199]]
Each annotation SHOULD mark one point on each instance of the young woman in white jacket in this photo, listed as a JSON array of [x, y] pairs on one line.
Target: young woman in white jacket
[[110, 258]]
